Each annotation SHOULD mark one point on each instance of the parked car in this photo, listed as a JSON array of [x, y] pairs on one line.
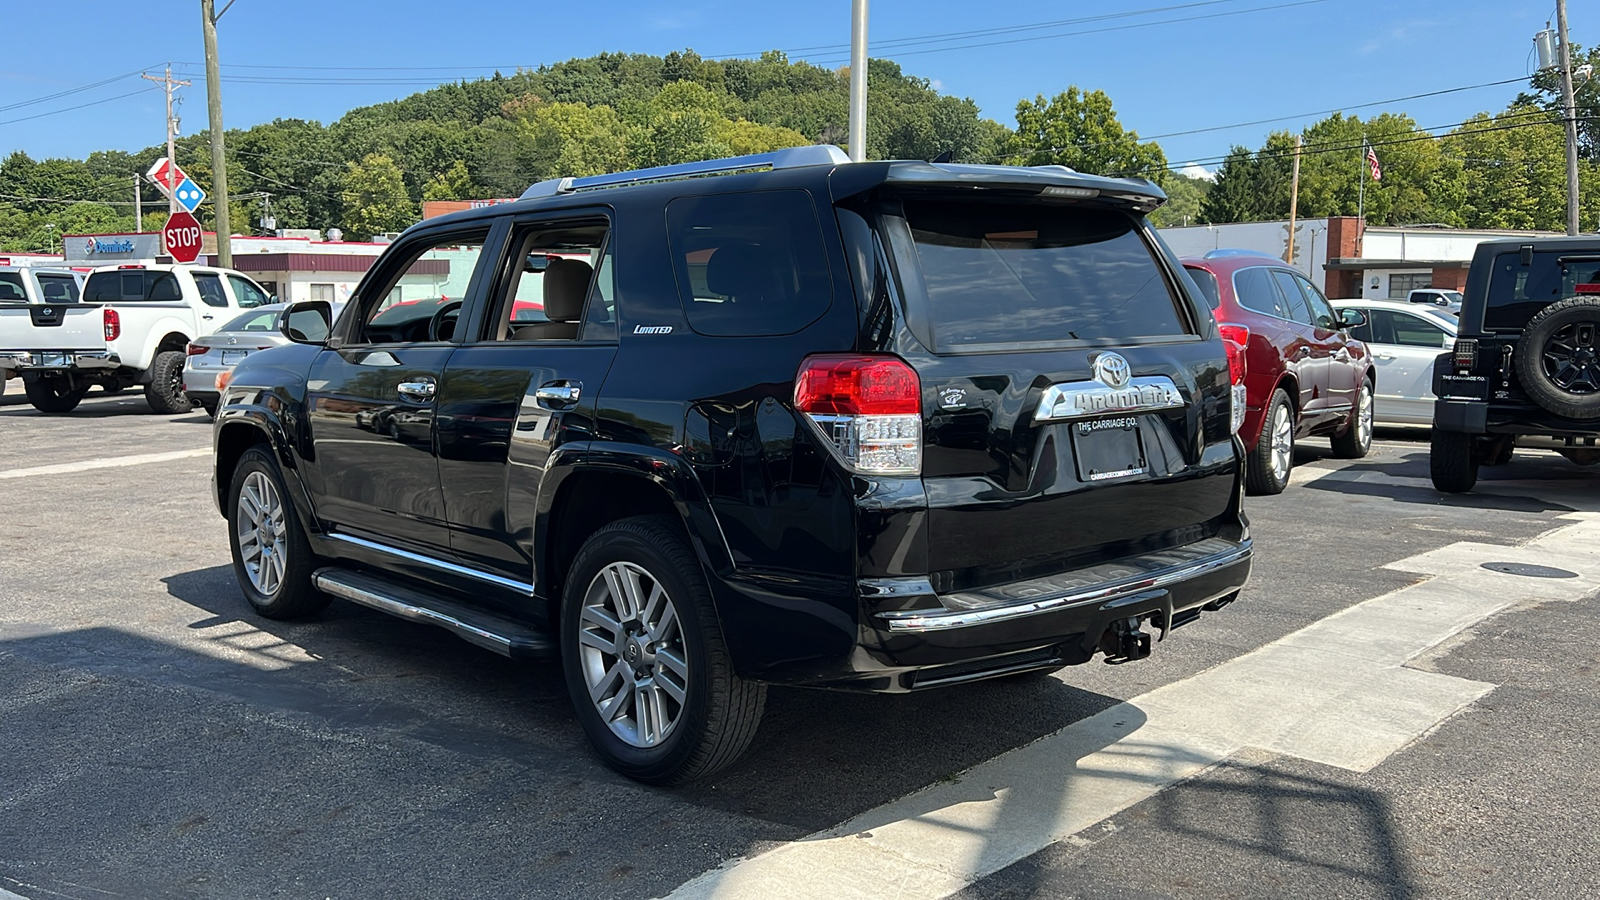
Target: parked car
[[131, 327], [1450, 300], [1305, 375], [210, 359], [1525, 367], [1403, 339], [803, 421]]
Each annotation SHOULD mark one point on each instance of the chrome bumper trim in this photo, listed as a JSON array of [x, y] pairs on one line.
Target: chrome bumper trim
[[922, 620], [33, 359], [440, 564]]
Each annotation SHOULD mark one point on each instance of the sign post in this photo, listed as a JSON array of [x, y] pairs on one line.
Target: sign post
[[181, 235]]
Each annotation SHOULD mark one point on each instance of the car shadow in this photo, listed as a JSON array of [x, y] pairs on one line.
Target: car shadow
[[1524, 485]]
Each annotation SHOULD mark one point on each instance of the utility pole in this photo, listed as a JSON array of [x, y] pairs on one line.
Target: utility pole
[[858, 80], [172, 131], [1569, 116], [1294, 199], [219, 162]]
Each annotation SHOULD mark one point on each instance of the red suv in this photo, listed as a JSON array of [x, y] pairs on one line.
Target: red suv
[[1304, 374]]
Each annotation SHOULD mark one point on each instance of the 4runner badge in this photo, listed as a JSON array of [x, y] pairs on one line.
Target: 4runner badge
[[652, 329], [953, 398]]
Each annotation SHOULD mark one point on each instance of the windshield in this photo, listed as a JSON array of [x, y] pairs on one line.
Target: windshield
[[1035, 273], [1517, 292]]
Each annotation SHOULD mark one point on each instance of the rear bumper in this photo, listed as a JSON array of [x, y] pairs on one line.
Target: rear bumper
[[58, 360], [1501, 418], [1061, 620]]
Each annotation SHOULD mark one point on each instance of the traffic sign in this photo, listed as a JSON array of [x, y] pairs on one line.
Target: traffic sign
[[188, 194], [161, 170], [181, 235]]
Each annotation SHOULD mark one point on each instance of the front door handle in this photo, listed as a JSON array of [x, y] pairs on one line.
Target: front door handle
[[1304, 352], [419, 391], [558, 394]]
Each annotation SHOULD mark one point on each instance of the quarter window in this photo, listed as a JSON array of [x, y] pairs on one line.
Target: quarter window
[[749, 264]]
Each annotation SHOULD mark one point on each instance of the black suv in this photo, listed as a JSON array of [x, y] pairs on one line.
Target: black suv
[[1525, 369], [782, 419]]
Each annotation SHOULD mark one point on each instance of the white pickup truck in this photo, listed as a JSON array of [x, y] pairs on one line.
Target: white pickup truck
[[132, 327], [35, 284]]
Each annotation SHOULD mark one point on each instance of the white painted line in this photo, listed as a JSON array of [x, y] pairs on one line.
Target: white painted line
[[108, 462], [1337, 692]]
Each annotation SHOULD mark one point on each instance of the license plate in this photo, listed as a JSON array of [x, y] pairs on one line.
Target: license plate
[[233, 357], [1108, 448], [53, 360]]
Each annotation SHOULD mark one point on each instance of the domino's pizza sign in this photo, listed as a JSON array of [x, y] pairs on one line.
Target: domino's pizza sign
[[100, 247]]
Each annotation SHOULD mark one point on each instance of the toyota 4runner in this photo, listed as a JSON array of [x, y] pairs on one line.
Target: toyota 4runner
[[1525, 368], [782, 419]]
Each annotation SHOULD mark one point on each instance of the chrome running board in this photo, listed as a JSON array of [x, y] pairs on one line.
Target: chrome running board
[[489, 630]]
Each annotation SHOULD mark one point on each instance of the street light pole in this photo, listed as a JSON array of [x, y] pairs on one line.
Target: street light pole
[[219, 161], [858, 80], [1569, 117]]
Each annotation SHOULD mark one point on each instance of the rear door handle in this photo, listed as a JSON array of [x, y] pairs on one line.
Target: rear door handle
[[418, 391], [1386, 356], [558, 394]]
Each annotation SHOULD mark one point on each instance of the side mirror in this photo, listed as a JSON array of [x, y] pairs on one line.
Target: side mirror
[[307, 322], [1352, 318]]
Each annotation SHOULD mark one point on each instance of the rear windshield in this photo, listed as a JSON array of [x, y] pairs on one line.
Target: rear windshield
[[1035, 273], [260, 320], [1517, 292], [130, 285]]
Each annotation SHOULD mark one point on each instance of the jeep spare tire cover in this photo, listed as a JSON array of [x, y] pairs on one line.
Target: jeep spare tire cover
[[1558, 359]]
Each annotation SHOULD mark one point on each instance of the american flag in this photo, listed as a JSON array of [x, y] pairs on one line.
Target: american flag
[[1372, 161]]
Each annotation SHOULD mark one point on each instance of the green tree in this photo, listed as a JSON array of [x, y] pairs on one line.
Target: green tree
[[1185, 196], [452, 184], [375, 200], [1079, 129]]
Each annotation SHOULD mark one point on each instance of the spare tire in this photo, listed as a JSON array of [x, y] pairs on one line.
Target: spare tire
[[1558, 359]]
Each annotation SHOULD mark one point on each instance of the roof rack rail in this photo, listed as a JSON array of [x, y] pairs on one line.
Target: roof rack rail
[[787, 158], [1226, 252]]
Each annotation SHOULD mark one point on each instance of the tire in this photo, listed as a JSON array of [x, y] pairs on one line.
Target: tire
[[676, 644], [1558, 358], [54, 395], [1357, 437], [1452, 461], [274, 572], [165, 390], [1272, 459]]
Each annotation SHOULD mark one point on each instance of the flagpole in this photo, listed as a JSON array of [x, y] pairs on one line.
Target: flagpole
[[1361, 196]]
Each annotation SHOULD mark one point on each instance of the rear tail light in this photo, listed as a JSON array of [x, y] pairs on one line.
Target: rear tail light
[[1235, 338], [113, 323], [868, 408], [1465, 354], [194, 349], [224, 379]]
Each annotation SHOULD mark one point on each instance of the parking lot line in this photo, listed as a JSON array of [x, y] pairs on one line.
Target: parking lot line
[[1337, 692], [105, 462]]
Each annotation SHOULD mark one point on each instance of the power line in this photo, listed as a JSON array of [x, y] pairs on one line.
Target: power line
[[79, 106], [68, 92]]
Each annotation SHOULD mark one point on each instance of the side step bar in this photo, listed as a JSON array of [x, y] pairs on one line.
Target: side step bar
[[504, 636]]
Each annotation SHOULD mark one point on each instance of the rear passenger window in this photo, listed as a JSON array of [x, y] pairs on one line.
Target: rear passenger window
[[749, 264], [1299, 309], [1254, 288], [210, 285]]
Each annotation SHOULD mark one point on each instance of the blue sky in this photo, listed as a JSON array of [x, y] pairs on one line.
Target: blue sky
[[1295, 61]]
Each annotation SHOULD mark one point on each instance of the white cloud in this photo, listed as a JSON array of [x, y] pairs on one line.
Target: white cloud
[[1195, 170], [937, 85]]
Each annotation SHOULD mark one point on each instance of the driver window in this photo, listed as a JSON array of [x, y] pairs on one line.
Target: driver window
[[551, 281], [420, 298]]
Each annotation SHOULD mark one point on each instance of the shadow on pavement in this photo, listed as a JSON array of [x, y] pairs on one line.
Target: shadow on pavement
[[1526, 474]]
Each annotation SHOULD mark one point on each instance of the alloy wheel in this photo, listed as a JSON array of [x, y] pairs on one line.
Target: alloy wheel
[[1572, 359], [1282, 442], [1364, 416], [262, 540], [632, 655]]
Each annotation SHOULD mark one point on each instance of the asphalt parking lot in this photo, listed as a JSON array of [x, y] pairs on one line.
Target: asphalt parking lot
[[1378, 716]]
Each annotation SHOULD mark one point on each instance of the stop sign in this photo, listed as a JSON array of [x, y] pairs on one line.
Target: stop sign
[[181, 234]]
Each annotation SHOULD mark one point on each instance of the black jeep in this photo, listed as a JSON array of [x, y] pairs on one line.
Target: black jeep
[[781, 419], [1525, 369]]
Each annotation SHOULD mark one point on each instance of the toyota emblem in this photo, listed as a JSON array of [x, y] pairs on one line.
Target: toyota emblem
[[1111, 370]]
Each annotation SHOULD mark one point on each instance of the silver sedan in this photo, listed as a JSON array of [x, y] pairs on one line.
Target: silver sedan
[[1404, 338], [212, 358]]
